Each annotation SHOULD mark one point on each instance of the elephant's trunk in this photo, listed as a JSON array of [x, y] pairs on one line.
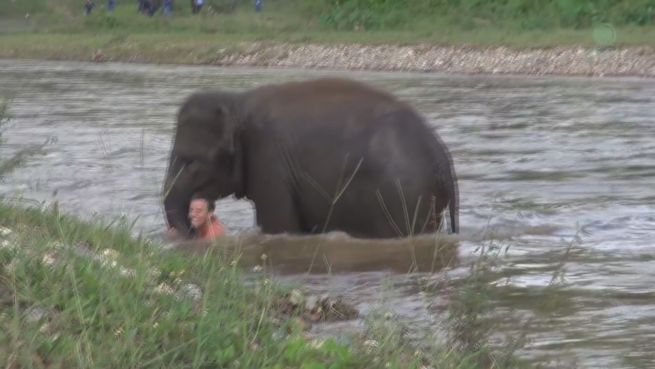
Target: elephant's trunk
[[176, 198]]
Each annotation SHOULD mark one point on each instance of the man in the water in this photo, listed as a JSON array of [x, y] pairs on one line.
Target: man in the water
[[204, 224]]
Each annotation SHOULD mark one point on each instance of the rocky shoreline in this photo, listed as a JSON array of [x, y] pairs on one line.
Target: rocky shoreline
[[572, 60], [632, 61]]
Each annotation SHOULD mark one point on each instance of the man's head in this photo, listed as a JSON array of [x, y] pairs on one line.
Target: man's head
[[200, 210]]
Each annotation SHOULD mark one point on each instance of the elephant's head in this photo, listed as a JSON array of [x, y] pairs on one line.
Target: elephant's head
[[206, 155]]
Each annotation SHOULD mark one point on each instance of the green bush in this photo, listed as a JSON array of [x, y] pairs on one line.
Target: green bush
[[21, 7], [366, 14], [385, 14]]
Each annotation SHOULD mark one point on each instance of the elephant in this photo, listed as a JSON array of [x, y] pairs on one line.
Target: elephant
[[327, 154]]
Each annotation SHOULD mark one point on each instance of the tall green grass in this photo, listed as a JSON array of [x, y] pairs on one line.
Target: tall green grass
[[526, 14], [90, 295], [78, 295]]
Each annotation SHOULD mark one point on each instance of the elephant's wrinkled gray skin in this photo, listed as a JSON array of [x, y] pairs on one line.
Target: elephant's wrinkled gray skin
[[314, 156]]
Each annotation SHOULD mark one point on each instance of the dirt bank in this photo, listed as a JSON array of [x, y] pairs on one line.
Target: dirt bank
[[562, 60], [634, 61]]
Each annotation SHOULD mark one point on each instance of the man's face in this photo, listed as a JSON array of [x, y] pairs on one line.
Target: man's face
[[198, 213]]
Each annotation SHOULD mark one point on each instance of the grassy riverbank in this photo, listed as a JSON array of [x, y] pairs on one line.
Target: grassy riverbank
[[286, 21], [427, 36], [75, 294], [81, 295]]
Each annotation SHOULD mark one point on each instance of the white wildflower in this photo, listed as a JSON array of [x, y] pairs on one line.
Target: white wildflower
[[11, 267], [192, 291], [44, 328], [311, 303], [110, 254], [56, 245], [4, 231], [371, 343], [126, 272], [164, 289], [5, 244], [263, 257], [154, 272], [317, 344], [35, 313], [49, 259], [109, 263], [257, 268], [296, 297]]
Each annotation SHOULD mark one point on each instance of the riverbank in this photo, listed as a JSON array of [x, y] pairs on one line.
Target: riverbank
[[75, 294], [463, 59], [493, 37], [80, 294]]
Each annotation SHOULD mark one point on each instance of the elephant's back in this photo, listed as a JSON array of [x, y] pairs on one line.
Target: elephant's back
[[328, 104], [341, 139], [318, 89], [332, 115]]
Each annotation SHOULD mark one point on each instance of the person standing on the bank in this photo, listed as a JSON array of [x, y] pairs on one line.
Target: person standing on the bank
[[258, 5], [88, 7], [111, 5], [199, 4], [167, 8]]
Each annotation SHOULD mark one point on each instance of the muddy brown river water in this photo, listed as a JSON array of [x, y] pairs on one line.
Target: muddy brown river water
[[540, 161]]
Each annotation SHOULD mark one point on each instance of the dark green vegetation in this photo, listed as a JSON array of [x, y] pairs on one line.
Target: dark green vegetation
[[523, 23], [393, 14], [524, 14]]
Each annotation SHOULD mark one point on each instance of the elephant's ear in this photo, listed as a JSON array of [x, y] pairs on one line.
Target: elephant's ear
[[229, 151], [226, 126]]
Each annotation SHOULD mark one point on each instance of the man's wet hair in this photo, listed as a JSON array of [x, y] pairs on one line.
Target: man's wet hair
[[210, 204]]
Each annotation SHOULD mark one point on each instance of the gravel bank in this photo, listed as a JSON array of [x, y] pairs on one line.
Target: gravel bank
[[633, 61], [562, 60]]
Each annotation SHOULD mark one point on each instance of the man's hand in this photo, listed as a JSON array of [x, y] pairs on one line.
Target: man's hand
[[173, 234]]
